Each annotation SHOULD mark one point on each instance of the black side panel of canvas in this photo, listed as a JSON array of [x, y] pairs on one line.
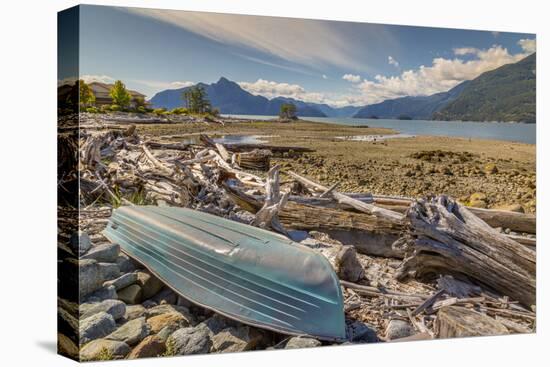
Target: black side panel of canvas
[[68, 181]]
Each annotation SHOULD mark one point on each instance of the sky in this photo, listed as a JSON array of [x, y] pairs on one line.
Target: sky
[[338, 63]]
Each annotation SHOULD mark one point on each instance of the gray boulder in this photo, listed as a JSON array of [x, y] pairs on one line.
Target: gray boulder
[[102, 349], [96, 326], [115, 308], [131, 295], [101, 295], [80, 242], [189, 340], [108, 271], [107, 253], [125, 264], [123, 281], [134, 311], [347, 264], [398, 329], [131, 332], [150, 284], [166, 295], [89, 277], [236, 339], [300, 342]]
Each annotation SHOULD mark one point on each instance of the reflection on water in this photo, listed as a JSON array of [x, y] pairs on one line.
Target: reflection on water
[[374, 137], [229, 139]]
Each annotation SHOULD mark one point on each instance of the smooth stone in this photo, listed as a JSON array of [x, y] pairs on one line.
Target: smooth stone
[[108, 271], [107, 253], [151, 346], [188, 341], [80, 242], [347, 264], [166, 331], [103, 349], [166, 308], [134, 311], [398, 329], [237, 339], [130, 295], [115, 308], [299, 342], [96, 326], [131, 332], [89, 276], [102, 294], [158, 322], [123, 281], [150, 284], [66, 347], [125, 264]]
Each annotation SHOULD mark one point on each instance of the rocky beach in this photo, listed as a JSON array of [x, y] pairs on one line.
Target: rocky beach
[[124, 311]]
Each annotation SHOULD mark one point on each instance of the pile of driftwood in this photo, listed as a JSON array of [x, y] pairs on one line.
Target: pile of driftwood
[[447, 269]]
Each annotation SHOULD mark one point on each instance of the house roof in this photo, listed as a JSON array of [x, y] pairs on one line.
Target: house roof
[[103, 89]]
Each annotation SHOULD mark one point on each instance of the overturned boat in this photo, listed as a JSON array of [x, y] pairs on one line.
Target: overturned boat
[[245, 273]]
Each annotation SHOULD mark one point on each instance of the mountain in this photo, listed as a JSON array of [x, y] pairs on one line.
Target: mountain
[[504, 94], [416, 108], [347, 111], [230, 98]]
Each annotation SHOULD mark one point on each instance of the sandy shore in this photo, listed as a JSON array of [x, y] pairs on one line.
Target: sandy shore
[[481, 173]]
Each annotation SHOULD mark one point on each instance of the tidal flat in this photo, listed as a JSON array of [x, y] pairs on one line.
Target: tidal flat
[[477, 172]]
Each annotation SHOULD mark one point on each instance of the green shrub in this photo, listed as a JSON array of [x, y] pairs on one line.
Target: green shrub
[[105, 108], [115, 107], [179, 111], [141, 109], [159, 111], [92, 110]]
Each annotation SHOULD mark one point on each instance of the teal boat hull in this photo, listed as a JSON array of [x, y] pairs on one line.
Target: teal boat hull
[[245, 273]]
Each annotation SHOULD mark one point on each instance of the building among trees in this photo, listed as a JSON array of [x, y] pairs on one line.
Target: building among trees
[[102, 93]]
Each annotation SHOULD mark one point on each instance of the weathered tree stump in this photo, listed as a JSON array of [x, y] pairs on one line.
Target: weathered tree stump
[[457, 322], [446, 238]]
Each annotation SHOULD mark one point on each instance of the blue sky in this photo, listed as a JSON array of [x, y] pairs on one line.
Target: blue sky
[[339, 63]]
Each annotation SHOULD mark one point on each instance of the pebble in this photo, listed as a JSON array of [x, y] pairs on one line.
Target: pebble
[[151, 346], [130, 295]]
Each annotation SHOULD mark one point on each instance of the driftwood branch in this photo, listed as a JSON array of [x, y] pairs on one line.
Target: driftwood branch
[[267, 217]]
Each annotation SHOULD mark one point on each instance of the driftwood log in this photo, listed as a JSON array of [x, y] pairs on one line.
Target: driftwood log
[[456, 322], [258, 160], [446, 238]]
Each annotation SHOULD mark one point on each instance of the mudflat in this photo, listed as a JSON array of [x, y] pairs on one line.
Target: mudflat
[[481, 173]]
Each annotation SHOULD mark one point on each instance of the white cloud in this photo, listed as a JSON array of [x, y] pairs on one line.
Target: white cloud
[[97, 78], [272, 89], [352, 78], [393, 61], [312, 43], [461, 51], [528, 45], [441, 76], [324, 76]]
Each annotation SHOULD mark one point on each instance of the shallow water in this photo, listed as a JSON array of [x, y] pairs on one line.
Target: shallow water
[[525, 133], [229, 139]]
